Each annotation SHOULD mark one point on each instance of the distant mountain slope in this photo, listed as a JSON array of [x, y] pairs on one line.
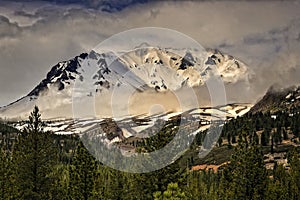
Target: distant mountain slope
[[284, 99], [205, 114]]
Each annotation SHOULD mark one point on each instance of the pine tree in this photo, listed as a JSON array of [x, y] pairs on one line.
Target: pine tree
[[114, 184], [82, 173], [264, 139], [285, 135], [6, 182], [34, 159], [294, 160], [60, 185], [247, 176], [278, 186], [173, 192], [202, 185]]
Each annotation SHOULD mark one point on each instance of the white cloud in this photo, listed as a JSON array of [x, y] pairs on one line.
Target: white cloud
[[35, 36]]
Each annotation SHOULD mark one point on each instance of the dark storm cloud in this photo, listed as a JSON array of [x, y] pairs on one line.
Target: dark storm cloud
[[104, 5]]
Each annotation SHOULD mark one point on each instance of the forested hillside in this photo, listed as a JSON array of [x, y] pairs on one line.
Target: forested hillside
[[42, 165]]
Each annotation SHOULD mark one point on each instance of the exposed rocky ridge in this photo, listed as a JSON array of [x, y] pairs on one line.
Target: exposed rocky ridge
[[285, 99]]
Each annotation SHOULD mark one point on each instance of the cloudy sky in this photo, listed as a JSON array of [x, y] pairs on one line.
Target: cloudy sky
[[35, 35]]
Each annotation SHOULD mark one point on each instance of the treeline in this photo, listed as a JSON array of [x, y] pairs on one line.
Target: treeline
[[41, 165], [272, 128]]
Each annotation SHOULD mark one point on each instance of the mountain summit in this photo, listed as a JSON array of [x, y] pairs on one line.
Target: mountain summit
[[145, 69]]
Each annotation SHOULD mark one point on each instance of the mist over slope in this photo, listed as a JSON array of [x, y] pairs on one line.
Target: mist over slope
[[278, 99]]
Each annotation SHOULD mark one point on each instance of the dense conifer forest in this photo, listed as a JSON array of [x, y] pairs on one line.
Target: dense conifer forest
[[41, 165]]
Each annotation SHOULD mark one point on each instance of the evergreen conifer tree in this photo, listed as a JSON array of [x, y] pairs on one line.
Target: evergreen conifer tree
[[34, 159]]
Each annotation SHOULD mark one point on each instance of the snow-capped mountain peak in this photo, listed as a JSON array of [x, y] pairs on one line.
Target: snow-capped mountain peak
[[61, 74], [143, 69]]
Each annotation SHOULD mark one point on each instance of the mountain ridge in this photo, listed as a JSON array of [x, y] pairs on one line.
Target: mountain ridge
[[278, 98], [143, 69]]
